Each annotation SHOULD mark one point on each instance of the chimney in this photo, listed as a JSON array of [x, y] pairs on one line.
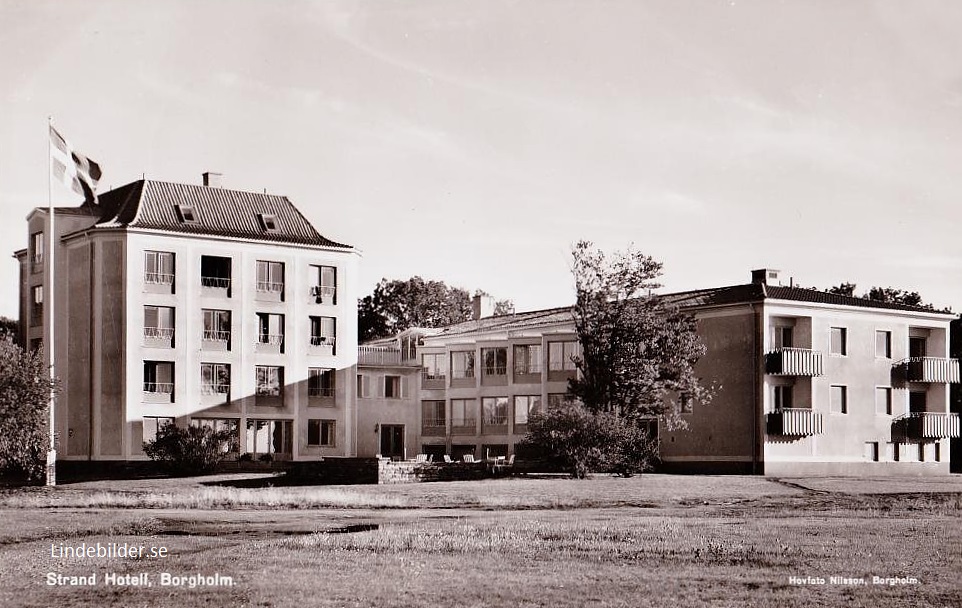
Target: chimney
[[212, 180], [482, 306], [767, 276]]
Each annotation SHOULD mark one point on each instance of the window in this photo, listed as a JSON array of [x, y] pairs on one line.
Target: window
[[883, 344], [270, 277], [320, 382], [524, 406], [871, 451], [36, 251], [36, 304], [432, 367], [270, 329], [159, 323], [392, 387], [782, 396], [839, 341], [527, 359], [159, 377], [268, 222], [270, 381], [432, 413], [214, 378], [560, 355], [685, 403], [463, 413], [323, 332], [557, 399], [462, 364], [782, 337], [883, 400], [216, 325], [495, 410], [838, 401], [222, 425], [186, 214], [320, 433], [152, 424], [215, 272], [324, 284], [270, 436], [159, 267], [495, 361], [363, 386]]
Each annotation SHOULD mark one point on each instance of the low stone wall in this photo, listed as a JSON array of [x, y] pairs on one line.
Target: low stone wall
[[412, 472]]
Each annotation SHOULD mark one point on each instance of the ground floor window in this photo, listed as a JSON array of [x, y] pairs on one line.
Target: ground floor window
[[230, 425], [152, 424], [270, 437], [320, 433]]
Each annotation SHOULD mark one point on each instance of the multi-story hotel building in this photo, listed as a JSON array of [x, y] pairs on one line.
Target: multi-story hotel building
[[808, 383], [198, 305]]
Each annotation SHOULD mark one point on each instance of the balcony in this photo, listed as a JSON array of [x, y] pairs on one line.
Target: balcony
[[929, 369], [159, 336], [795, 422], [323, 294], [432, 378], [434, 427], [794, 362], [158, 392], [378, 355], [929, 425], [269, 343], [323, 345]]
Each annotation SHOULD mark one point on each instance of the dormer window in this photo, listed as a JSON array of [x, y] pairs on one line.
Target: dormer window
[[186, 213], [268, 222]]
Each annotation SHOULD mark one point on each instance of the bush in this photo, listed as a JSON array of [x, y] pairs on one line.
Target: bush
[[188, 451], [582, 441], [24, 394]]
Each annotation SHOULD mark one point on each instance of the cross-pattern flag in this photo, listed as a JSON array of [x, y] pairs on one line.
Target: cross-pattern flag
[[73, 169]]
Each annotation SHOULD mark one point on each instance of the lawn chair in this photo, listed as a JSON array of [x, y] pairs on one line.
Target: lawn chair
[[421, 458], [447, 458], [468, 458]]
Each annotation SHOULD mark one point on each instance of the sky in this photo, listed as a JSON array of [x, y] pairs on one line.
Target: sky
[[475, 142]]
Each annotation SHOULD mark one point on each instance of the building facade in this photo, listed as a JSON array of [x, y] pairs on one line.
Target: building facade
[[807, 383], [195, 305]]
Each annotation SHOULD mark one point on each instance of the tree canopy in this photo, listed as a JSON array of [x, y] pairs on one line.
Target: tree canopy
[[638, 348], [24, 394], [890, 295], [397, 305]]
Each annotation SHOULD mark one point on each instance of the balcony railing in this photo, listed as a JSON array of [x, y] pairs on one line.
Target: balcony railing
[[216, 335], [930, 425], [158, 278], [320, 391], [214, 389], [795, 422], [495, 370], [428, 375], [323, 340], [164, 388], [215, 282], [160, 333], [270, 286], [794, 362], [323, 293], [434, 423], [531, 368], [272, 339], [930, 369], [378, 355]]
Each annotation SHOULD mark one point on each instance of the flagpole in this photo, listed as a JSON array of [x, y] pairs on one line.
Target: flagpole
[[51, 288]]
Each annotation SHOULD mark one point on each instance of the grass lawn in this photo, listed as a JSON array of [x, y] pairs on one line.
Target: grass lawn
[[648, 541]]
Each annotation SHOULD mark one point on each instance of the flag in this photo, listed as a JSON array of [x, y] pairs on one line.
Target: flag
[[73, 169]]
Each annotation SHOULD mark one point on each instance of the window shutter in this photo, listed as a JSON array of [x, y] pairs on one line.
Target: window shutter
[[380, 386], [366, 386], [404, 387]]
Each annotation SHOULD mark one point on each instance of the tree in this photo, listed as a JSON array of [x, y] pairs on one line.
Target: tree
[[193, 450], [889, 295], [25, 387], [397, 305], [638, 349], [9, 329], [843, 289]]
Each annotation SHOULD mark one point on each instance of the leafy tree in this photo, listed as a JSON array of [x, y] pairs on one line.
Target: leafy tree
[[9, 329], [843, 289], [24, 397], [890, 295], [188, 451], [639, 349], [397, 305]]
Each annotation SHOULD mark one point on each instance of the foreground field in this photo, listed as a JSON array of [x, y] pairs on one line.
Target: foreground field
[[654, 540]]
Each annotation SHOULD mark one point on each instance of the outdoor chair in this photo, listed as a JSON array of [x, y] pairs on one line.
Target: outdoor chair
[[447, 458], [468, 458]]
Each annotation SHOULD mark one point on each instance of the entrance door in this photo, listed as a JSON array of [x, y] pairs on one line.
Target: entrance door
[[392, 441], [916, 347]]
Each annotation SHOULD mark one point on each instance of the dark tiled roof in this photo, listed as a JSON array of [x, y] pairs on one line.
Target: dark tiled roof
[[219, 212], [516, 321], [800, 294]]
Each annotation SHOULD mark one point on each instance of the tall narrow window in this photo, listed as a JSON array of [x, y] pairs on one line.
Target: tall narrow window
[[324, 284], [324, 332], [838, 399], [883, 344], [36, 251], [782, 337], [270, 277], [270, 329], [158, 267], [36, 305], [839, 341], [883, 400], [782, 396]]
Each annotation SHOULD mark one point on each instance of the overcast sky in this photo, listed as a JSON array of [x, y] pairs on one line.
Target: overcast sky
[[475, 141]]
